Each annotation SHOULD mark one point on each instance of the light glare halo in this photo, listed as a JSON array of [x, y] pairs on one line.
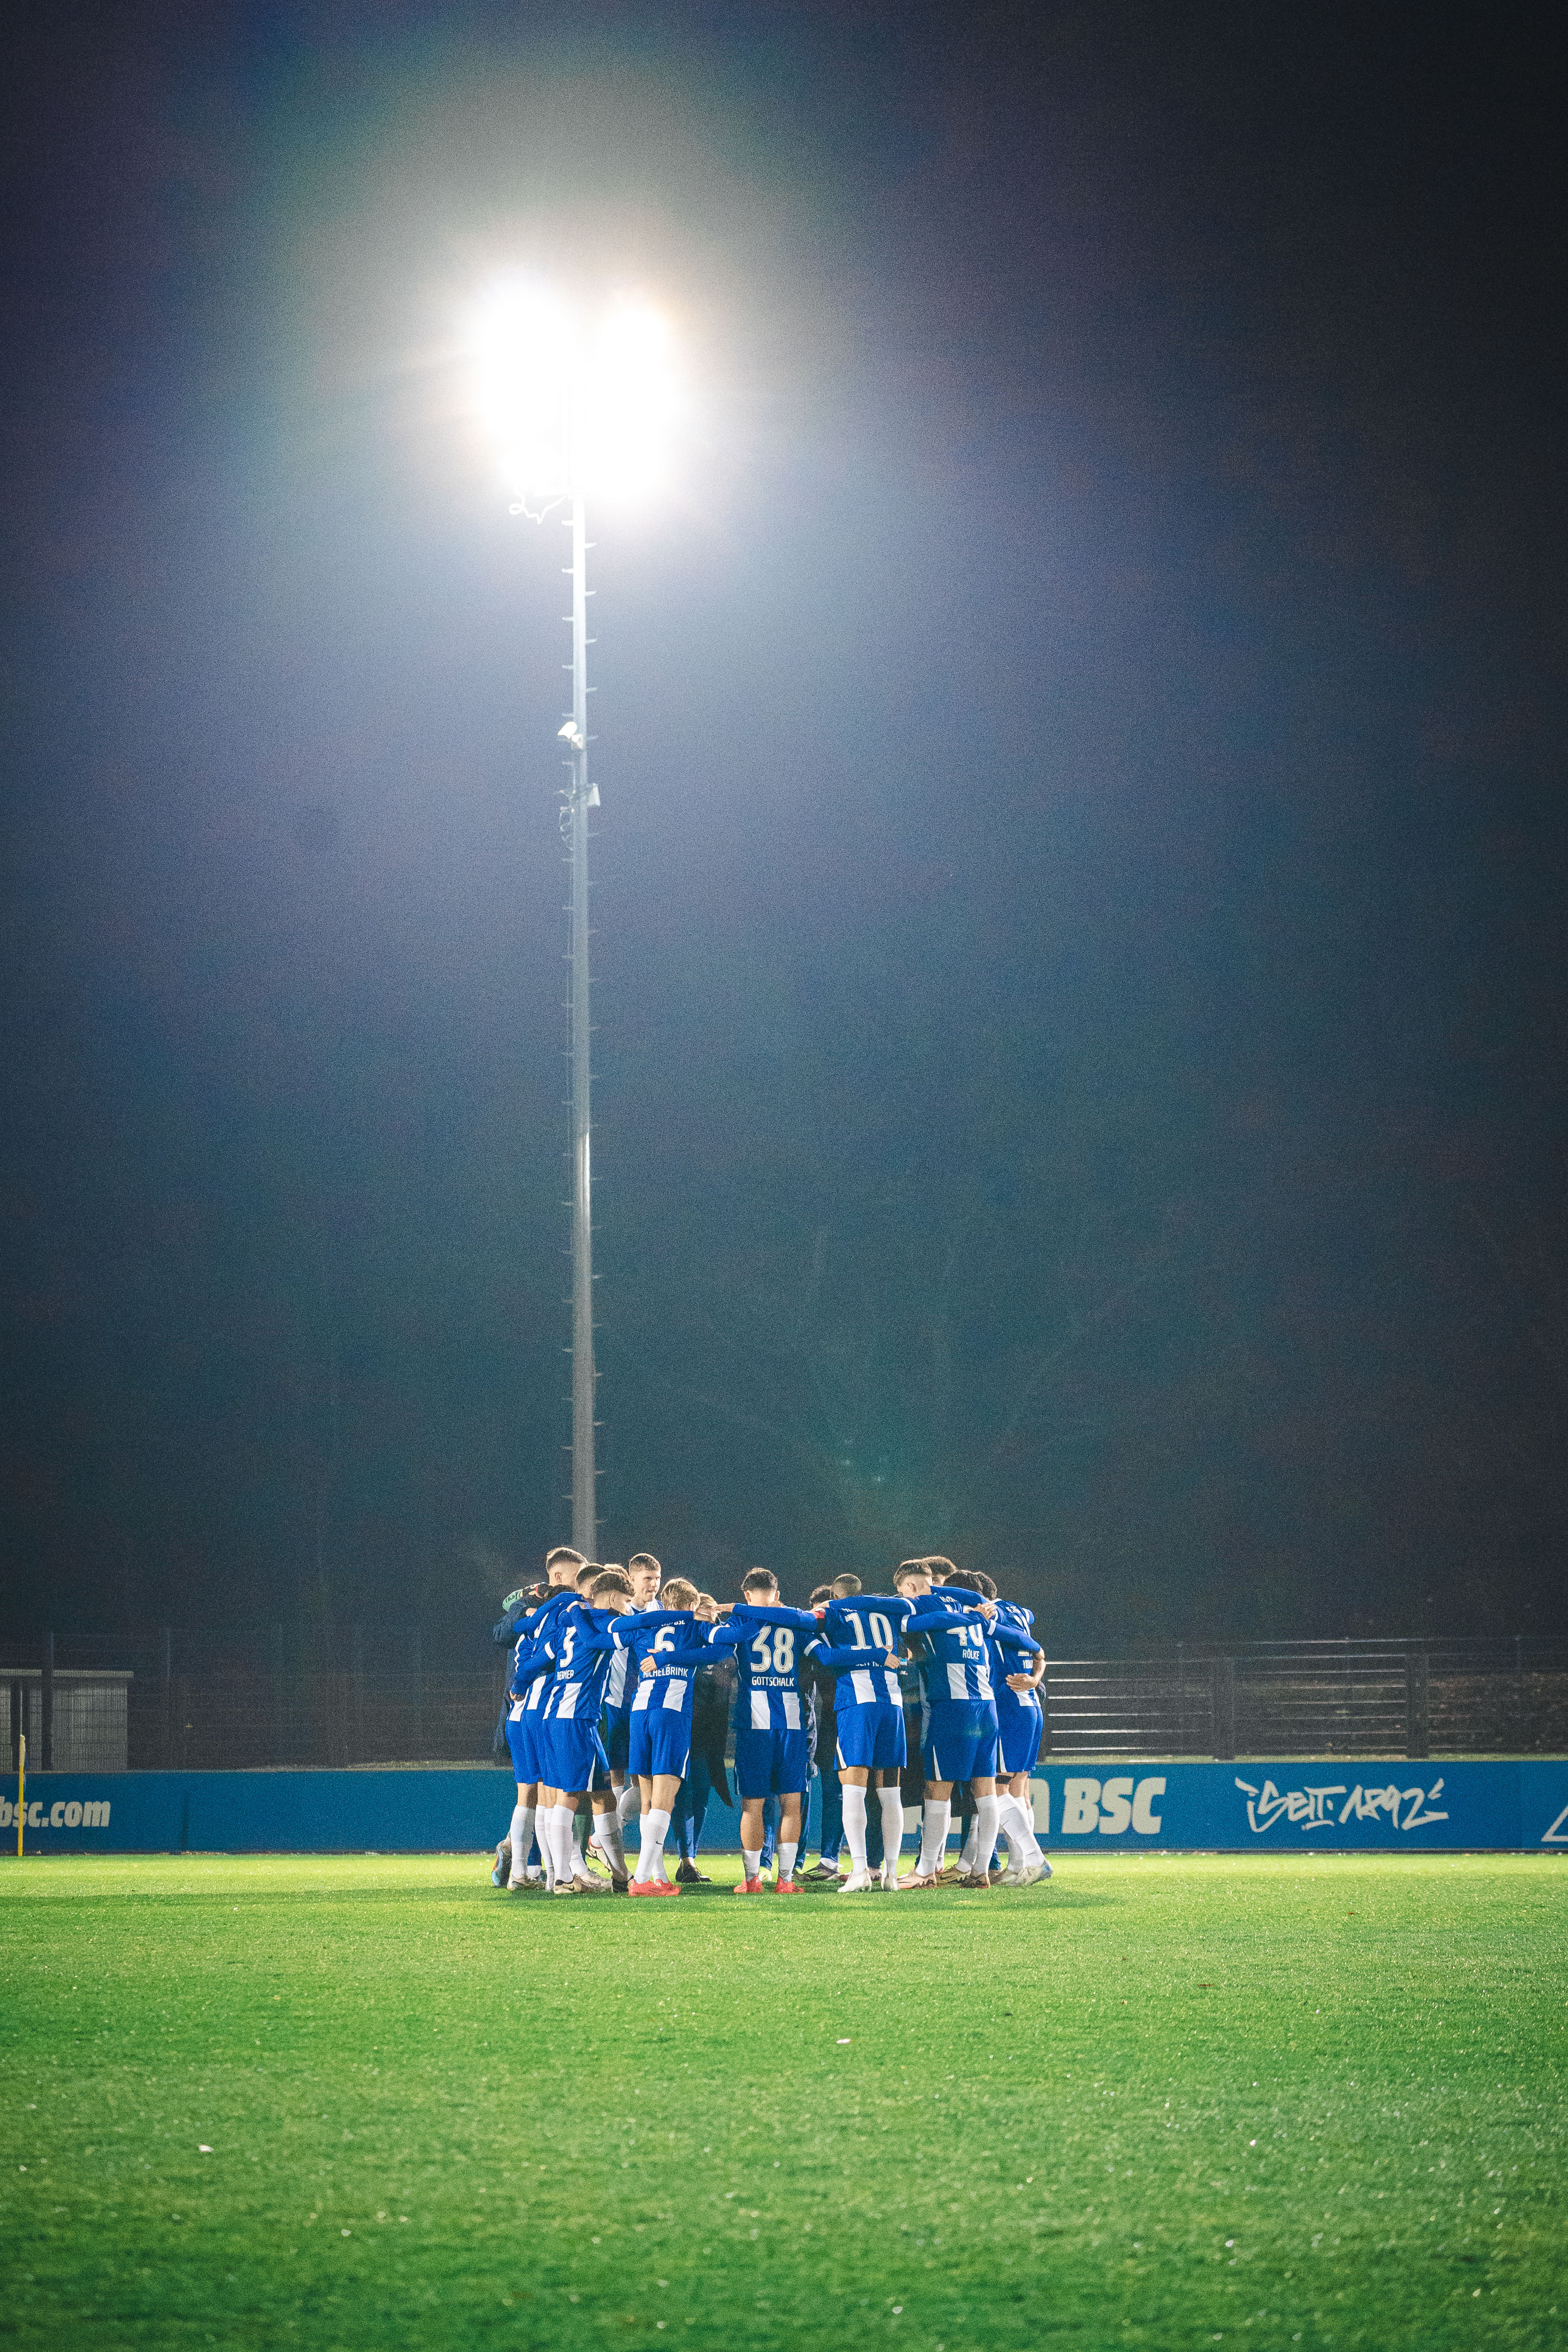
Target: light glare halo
[[566, 412]]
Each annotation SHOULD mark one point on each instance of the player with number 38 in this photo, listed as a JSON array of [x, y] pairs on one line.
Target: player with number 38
[[772, 1748]]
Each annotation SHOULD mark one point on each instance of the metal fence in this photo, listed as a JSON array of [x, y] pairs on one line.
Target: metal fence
[[197, 1699], [244, 1696], [1348, 1697]]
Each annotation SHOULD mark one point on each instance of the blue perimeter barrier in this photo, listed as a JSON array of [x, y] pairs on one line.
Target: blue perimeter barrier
[[1504, 1806]]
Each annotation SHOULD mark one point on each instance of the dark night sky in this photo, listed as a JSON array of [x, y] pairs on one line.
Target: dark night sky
[[1081, 887]]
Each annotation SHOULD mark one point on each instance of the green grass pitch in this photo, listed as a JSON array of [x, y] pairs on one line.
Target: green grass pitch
[[1314, 2100]]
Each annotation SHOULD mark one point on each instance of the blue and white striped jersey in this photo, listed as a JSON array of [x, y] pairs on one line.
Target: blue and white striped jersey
[[677, 1644], [533, 1659], [769, 1644], [1012, 1618], [855, 1639], [954, 1655], [535, 1639], [584, 1653], [622, 1669]]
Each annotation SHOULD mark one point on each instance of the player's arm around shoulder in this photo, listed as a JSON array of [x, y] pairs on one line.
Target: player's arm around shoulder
[[935, 1620], [838, 1660], [753, 1613], [1023, 1645]]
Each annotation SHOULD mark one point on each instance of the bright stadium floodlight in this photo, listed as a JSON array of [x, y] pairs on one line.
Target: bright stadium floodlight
[[572, 409], [571, 413]]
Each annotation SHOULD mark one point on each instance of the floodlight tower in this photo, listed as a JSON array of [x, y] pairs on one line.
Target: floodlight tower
[[575, 413], [581, 797]]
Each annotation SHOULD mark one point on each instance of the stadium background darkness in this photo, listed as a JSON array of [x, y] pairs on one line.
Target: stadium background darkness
[[1079, 897]]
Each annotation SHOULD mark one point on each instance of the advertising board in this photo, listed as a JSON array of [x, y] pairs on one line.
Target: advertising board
[[1501, 1805]]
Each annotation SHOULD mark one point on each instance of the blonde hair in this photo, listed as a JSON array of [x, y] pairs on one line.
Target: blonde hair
[[678, 1594], [644, 1560]]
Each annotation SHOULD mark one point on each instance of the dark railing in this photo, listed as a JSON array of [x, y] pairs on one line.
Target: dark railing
[[1353, 1697], [199, 1699], [247, 1697]]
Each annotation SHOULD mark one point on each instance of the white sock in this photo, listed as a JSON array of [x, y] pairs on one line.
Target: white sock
[[786, 1857], [855, 1824], [626, 1804], [1022, 1843], [650, 1860], [935, 1821], [565, 1854], [987, 1818], [522, 1836], [607, 1832], [752, 1858], [966, 1851], [892, 1827]]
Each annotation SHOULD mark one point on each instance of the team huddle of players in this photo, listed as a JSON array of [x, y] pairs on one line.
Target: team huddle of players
[[599, 1719]]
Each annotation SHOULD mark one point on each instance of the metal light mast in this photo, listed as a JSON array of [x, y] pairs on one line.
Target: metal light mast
[[574, 408], [584, 1517]]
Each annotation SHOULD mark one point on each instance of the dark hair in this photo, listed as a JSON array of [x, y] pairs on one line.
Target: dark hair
[[823, 1593], [987, 1583], [757, 1579], [560, 1552], [967, 1581], [612, 1580], [852, 1585]]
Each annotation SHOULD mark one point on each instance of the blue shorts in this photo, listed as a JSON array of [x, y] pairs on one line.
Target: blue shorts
[[771, 1763], [618, 1736], [1019, 1732], [661, 1742], [958, 1739], [524, 1758], [572, 1755], [872, 1737]]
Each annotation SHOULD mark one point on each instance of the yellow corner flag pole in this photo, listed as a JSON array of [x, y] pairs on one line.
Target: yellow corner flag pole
[[21, 1791]]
